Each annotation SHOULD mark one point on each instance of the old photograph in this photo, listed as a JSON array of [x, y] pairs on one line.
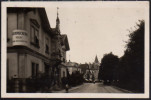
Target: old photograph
[[73, 49]]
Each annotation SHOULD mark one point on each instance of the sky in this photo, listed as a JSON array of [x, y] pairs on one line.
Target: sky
[[95, 29]]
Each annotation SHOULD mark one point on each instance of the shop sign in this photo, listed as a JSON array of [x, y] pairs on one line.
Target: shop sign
[[19, 37]]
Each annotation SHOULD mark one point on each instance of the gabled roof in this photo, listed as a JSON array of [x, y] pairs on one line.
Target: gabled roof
[[65, 40], [45, 21]]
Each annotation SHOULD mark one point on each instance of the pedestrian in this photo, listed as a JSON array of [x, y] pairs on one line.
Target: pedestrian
[[67, 87]]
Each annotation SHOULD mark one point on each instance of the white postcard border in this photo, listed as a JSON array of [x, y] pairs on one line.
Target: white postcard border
[[145, 5]]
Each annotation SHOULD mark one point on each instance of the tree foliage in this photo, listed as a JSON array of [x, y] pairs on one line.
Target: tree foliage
[[129, 69], [76, 78], [108, 65], [131, 65]]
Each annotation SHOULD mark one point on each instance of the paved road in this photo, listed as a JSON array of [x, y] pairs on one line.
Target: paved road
[[95, 88]]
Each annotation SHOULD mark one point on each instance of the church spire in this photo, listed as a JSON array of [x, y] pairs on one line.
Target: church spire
[[96, 59], [57, 20]]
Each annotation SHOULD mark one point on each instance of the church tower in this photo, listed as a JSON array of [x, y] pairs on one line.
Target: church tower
[[58, 22], [96, 60], [96, 65]]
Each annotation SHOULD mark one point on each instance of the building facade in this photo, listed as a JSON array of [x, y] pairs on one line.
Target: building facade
[[33, 47], [28, 42], [65, 48], [73, 67]]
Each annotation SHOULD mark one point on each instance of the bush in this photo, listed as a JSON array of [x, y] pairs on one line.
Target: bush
[[76, 79], [39, 83], [10, 86]]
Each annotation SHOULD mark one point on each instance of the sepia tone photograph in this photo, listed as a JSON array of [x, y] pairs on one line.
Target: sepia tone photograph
[[75, 47]]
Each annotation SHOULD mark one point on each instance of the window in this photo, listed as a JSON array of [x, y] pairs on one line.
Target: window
[[47, 69], [64, 60], [34, 31], [47, 46], [32, 34], [35, 68], [63, 74]]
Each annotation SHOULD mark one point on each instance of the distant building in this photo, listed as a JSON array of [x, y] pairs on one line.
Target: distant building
[[73, 67], [92, 70], [84, 68]]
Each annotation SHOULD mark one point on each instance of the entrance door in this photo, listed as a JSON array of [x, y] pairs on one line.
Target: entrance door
[[47, 69], [35, 68]]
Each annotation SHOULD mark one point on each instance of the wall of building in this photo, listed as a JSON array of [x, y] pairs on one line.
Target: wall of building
[[96, 72], [79, 70], [64, 55], [63, 72], [36, 60], [72, 69], [22, 65], [42, 34], [22, 21], [11, 25], [12, 65]]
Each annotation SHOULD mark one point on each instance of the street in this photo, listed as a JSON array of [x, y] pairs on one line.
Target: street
[[95, 88]]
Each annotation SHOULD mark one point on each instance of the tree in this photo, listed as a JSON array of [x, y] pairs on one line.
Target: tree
[[132, 63], [76, 78], [108, 65]]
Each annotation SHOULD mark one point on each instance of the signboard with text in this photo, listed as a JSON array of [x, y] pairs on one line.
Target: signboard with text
[[19, 37]]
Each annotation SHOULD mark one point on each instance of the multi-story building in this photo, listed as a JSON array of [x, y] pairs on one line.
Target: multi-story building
[[65, 48], [28, 42], [60, 46], [33, 47]]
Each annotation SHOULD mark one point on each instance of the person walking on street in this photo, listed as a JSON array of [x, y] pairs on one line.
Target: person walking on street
[[67, 88]]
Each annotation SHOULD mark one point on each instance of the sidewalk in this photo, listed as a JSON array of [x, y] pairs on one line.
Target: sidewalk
[[124, 90], [70, 89]]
